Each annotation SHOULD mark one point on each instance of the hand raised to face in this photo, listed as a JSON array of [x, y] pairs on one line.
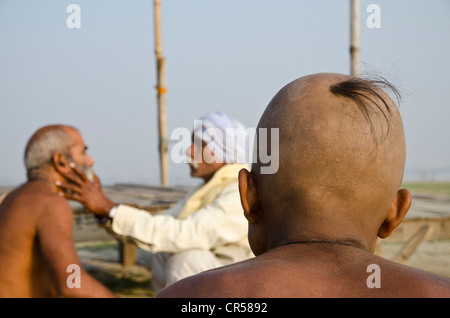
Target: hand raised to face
[[79, 188]]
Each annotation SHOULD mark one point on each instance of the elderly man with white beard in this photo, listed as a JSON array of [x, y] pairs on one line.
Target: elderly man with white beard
[[207, 229], [37, 251]]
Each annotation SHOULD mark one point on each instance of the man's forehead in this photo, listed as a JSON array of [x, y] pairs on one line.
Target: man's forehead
[[75, 136]]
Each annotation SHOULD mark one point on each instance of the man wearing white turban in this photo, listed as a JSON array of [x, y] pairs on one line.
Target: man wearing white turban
[[205, 230], [224, 134]]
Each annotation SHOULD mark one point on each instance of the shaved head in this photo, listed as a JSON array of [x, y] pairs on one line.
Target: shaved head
[[314, 223], [341, 153]]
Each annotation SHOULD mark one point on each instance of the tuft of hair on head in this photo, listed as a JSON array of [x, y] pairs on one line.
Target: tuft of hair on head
[[365, 92]]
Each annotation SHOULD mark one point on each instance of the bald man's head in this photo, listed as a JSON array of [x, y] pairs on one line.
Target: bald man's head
[[341, 152]]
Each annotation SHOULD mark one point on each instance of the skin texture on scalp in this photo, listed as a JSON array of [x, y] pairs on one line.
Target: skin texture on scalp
[[335, 164]]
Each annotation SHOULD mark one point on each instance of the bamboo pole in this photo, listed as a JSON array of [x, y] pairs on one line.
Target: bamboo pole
[[161, 96], [355, 32]]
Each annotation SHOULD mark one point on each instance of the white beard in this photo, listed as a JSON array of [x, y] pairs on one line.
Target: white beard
[[89, 172]]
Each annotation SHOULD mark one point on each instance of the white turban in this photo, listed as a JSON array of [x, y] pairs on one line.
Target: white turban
[[224, 135]]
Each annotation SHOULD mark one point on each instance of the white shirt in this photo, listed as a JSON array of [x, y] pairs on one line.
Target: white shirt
[[220, 227]]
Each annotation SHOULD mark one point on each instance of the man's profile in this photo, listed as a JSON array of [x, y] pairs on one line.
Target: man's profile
[[37, 250]]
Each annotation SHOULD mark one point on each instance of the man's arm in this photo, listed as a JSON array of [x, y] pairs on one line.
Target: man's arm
[[218, 224], [54, 232]]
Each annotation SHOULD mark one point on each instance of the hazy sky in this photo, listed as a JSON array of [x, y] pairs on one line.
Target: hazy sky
[[231, 56]]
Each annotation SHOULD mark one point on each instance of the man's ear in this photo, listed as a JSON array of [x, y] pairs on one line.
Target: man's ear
[[398, 210], [60, 162], [249, 196]]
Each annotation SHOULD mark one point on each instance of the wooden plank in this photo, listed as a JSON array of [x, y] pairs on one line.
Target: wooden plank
[[413, 243], [440, 229], [85, 228], [127, 253]]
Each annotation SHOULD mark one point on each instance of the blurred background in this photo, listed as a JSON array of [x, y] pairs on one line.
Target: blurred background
[[230, 56]]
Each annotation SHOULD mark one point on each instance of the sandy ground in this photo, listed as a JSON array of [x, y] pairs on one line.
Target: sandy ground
[[135, 281], [100, 259]]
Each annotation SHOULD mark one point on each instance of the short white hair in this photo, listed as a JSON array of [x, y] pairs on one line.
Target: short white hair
[[44, 144]]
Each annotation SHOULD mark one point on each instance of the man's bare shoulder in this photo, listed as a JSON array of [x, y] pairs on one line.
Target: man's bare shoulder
[[271, 278], [36, 201], [210, 284], [399, 280], [56, 210], [232, 281]]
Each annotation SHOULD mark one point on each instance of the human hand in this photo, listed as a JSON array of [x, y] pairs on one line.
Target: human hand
[[81, 189]]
